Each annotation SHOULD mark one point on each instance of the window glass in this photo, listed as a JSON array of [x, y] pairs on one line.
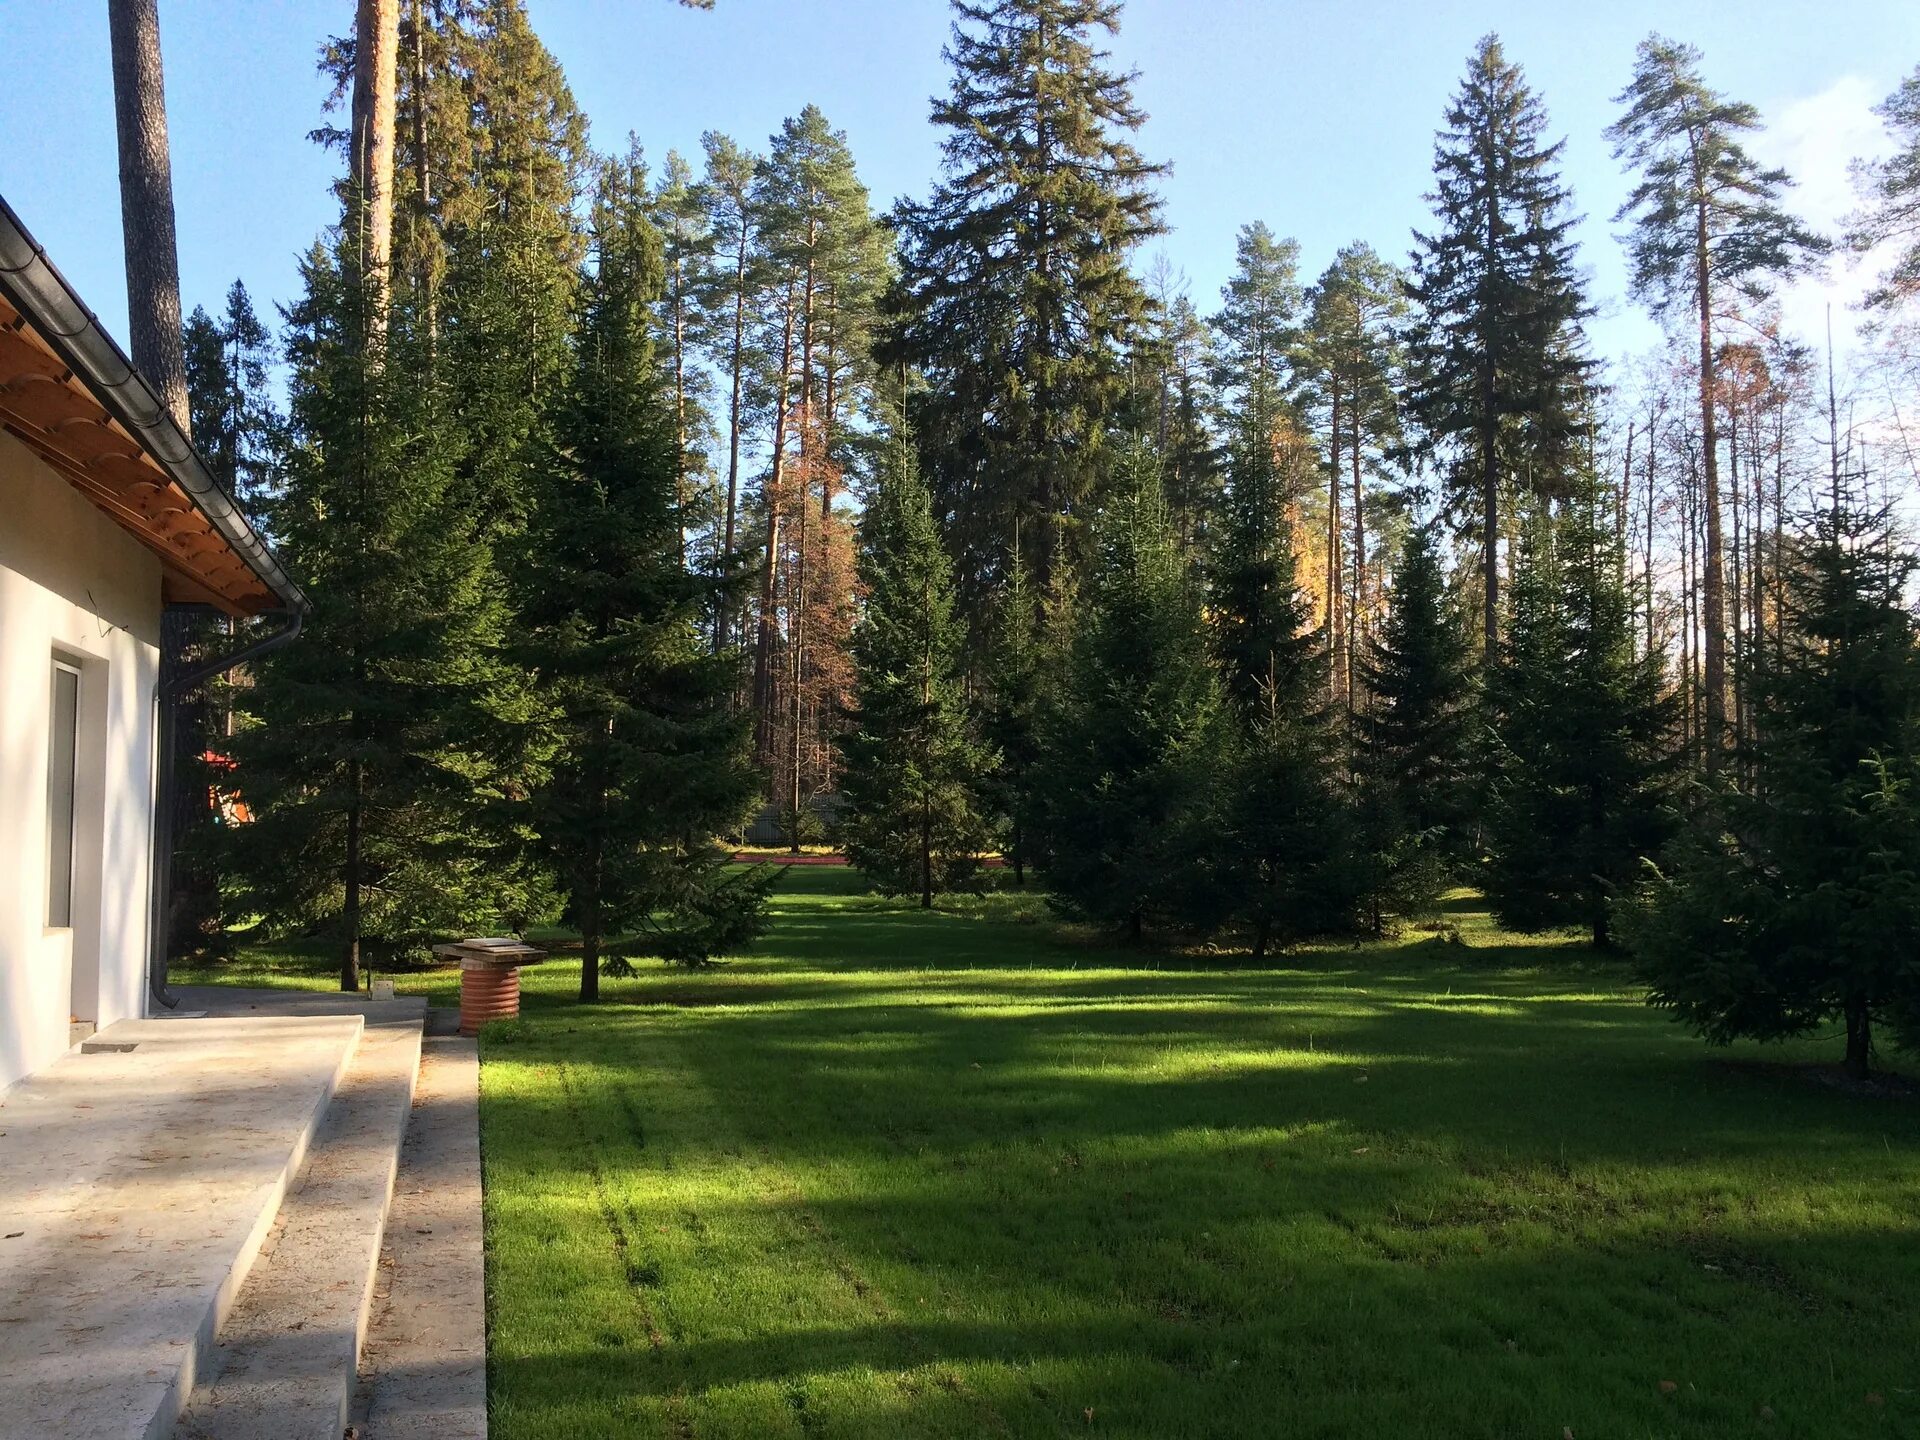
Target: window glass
[[60, 779]]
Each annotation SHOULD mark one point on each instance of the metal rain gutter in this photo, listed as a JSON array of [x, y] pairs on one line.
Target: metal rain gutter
[[33, 284]]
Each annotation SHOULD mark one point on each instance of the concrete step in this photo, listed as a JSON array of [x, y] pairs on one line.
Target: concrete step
[[138, 1183], [423, 1369], [285, 1364]]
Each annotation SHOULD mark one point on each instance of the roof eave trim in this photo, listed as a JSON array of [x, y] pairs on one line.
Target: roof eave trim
[[39, 291]]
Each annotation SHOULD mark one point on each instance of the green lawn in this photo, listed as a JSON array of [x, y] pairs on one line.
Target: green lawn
[[906, 1175]]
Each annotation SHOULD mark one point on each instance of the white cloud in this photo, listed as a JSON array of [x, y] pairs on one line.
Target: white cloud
[[1815, 139]]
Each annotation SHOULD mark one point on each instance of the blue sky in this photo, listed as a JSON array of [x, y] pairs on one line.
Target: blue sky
[[1313, 115]]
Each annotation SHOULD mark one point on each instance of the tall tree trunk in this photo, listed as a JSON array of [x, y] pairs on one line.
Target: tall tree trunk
[[1356, 615], [376, 60], [679, 305], [423, 180], [763, 686], [797, 630], [1713, 598], [1336, 580], [1621, 511], [1859, 1037], [590, 940], [736, 365], [146, 203], [926, 856], [1646, 554], [1736, 600]]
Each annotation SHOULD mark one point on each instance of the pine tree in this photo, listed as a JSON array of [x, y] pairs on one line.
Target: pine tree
[[1259, 321], [733, 281], [647, 763], [1283, 844], [1582, 788], [1133, 738], [1499, 377], [1350, 356], [1417, 733], [1891, 188], [1015, 298], [1706, 218], [1797, 902], [680, 215], [826, 259], [913, 765], [1178, 406]]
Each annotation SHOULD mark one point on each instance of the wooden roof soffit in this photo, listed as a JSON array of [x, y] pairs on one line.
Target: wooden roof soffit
[[49, 409]]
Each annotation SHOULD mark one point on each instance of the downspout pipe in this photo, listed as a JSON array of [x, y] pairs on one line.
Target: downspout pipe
[[167, 703]]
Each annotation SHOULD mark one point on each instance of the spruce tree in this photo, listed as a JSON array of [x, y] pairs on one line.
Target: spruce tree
[[375, 753], [1796, 903], [1582, 788], [1133, 738], [237, 428], [1015, 298], [1283, 843], [1499, 377], [1707, 218], [1417, 732], [646, 763], [913, 765], [509, 153]]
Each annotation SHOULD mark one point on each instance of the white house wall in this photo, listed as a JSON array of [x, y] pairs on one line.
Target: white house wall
[[72, 585]]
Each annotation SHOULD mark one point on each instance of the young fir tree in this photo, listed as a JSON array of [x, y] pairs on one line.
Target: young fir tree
[[1583, 748], [374, 753], [913, 765], [1015, 298], [1284, 841], [1499, 377], [1707, 218], [1417, 731], [1797, 902], [1133, 739], [647, 763]]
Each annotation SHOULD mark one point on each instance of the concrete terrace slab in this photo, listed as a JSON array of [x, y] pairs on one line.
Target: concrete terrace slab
[[136, 1187]]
